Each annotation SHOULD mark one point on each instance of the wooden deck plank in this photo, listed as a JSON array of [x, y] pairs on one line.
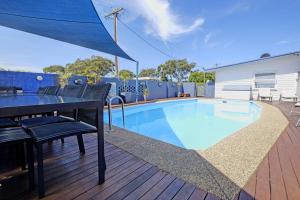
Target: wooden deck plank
[[159, 188], [120, 184], [294, 157], [145, 187], [91, 181], [74, 165], [130, 187], [171, 190], [198, 194], [119, 174], [278, 191], [289, 177], [185, 192], [68, 179], [262, 190]]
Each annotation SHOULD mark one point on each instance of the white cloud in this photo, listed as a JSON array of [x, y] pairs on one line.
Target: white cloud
[[207, 38], [161, 20], [209, 41], [283, 42], [239, 6], [20, 68]]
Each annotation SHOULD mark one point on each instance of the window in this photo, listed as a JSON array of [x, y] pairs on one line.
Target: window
[[265, 80]]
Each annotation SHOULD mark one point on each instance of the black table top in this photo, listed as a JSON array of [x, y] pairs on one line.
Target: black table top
[[20, 104]]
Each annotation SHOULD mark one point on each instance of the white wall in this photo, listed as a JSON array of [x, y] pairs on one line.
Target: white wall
[[286, 70]]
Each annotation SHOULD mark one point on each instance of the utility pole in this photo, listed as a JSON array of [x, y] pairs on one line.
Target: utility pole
[[114, 14]]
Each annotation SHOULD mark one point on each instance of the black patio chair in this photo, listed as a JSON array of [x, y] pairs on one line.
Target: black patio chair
[[8, 90], [52, 90], [47, 133], [17, 137], [67, 91], [72, 91], [7, 122], [42, 90], [99, 91]]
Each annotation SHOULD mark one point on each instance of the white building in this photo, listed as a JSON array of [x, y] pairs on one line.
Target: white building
[[243, 80]]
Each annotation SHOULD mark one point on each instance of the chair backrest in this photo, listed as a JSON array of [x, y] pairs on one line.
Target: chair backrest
[[264, 91], [93, 92], [8, 90], [11, 135], [288, 93], [52, 90], [72, 91], [42, 90], [99, 91]]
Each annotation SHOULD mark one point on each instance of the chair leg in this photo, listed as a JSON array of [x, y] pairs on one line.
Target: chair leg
[[298, 122], [80, 144], [41, 187], [21, 154], [30, 161]]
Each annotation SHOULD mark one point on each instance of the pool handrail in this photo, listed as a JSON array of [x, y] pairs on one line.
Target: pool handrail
[[109, 102]]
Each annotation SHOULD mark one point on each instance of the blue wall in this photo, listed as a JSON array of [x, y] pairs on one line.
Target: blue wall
[[172, 89], [210, 89], [189, 88], [27, 80], [157, 89]]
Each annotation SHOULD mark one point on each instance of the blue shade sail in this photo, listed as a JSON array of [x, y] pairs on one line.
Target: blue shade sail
[[72, 21]]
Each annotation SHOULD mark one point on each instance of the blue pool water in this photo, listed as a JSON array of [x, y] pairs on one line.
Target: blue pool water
[[191, 124]]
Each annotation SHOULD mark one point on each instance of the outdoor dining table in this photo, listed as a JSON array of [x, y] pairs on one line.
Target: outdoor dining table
[[31, 104]]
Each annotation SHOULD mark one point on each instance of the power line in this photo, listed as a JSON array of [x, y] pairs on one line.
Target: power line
[[148, 43]]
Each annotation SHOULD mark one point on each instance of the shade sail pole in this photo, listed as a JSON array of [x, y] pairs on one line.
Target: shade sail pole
[[137, 82]]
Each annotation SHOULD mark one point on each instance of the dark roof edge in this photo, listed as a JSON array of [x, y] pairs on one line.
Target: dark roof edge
[[256, 60]]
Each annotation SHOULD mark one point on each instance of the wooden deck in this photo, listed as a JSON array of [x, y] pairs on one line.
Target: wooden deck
[[71, 176], [278, 176]]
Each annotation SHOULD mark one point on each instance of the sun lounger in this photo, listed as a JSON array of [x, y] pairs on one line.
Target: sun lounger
[[288, 95], [265, 93]]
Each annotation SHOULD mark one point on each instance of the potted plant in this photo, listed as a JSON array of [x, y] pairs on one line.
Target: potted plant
[[146, 93]]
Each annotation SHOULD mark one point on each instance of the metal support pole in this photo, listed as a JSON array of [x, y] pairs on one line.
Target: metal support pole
[[137, 82], [116, 40]]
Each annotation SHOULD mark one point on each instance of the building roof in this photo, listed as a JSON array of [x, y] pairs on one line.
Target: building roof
[[256, 60]]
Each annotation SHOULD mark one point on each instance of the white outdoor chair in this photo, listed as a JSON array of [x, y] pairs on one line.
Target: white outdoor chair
[[265, 93], [296, 112], [287, 94]]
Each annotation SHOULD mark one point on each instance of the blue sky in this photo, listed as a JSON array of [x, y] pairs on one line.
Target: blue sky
[[203, 31]]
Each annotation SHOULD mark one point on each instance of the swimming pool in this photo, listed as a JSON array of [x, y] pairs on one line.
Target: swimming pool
[[190, 124]]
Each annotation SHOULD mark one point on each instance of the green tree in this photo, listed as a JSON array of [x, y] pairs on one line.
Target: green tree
[[210, 76], [150, 72], [58, 69], [126, 74], [199, 77], [93, 68], [175, 69]]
